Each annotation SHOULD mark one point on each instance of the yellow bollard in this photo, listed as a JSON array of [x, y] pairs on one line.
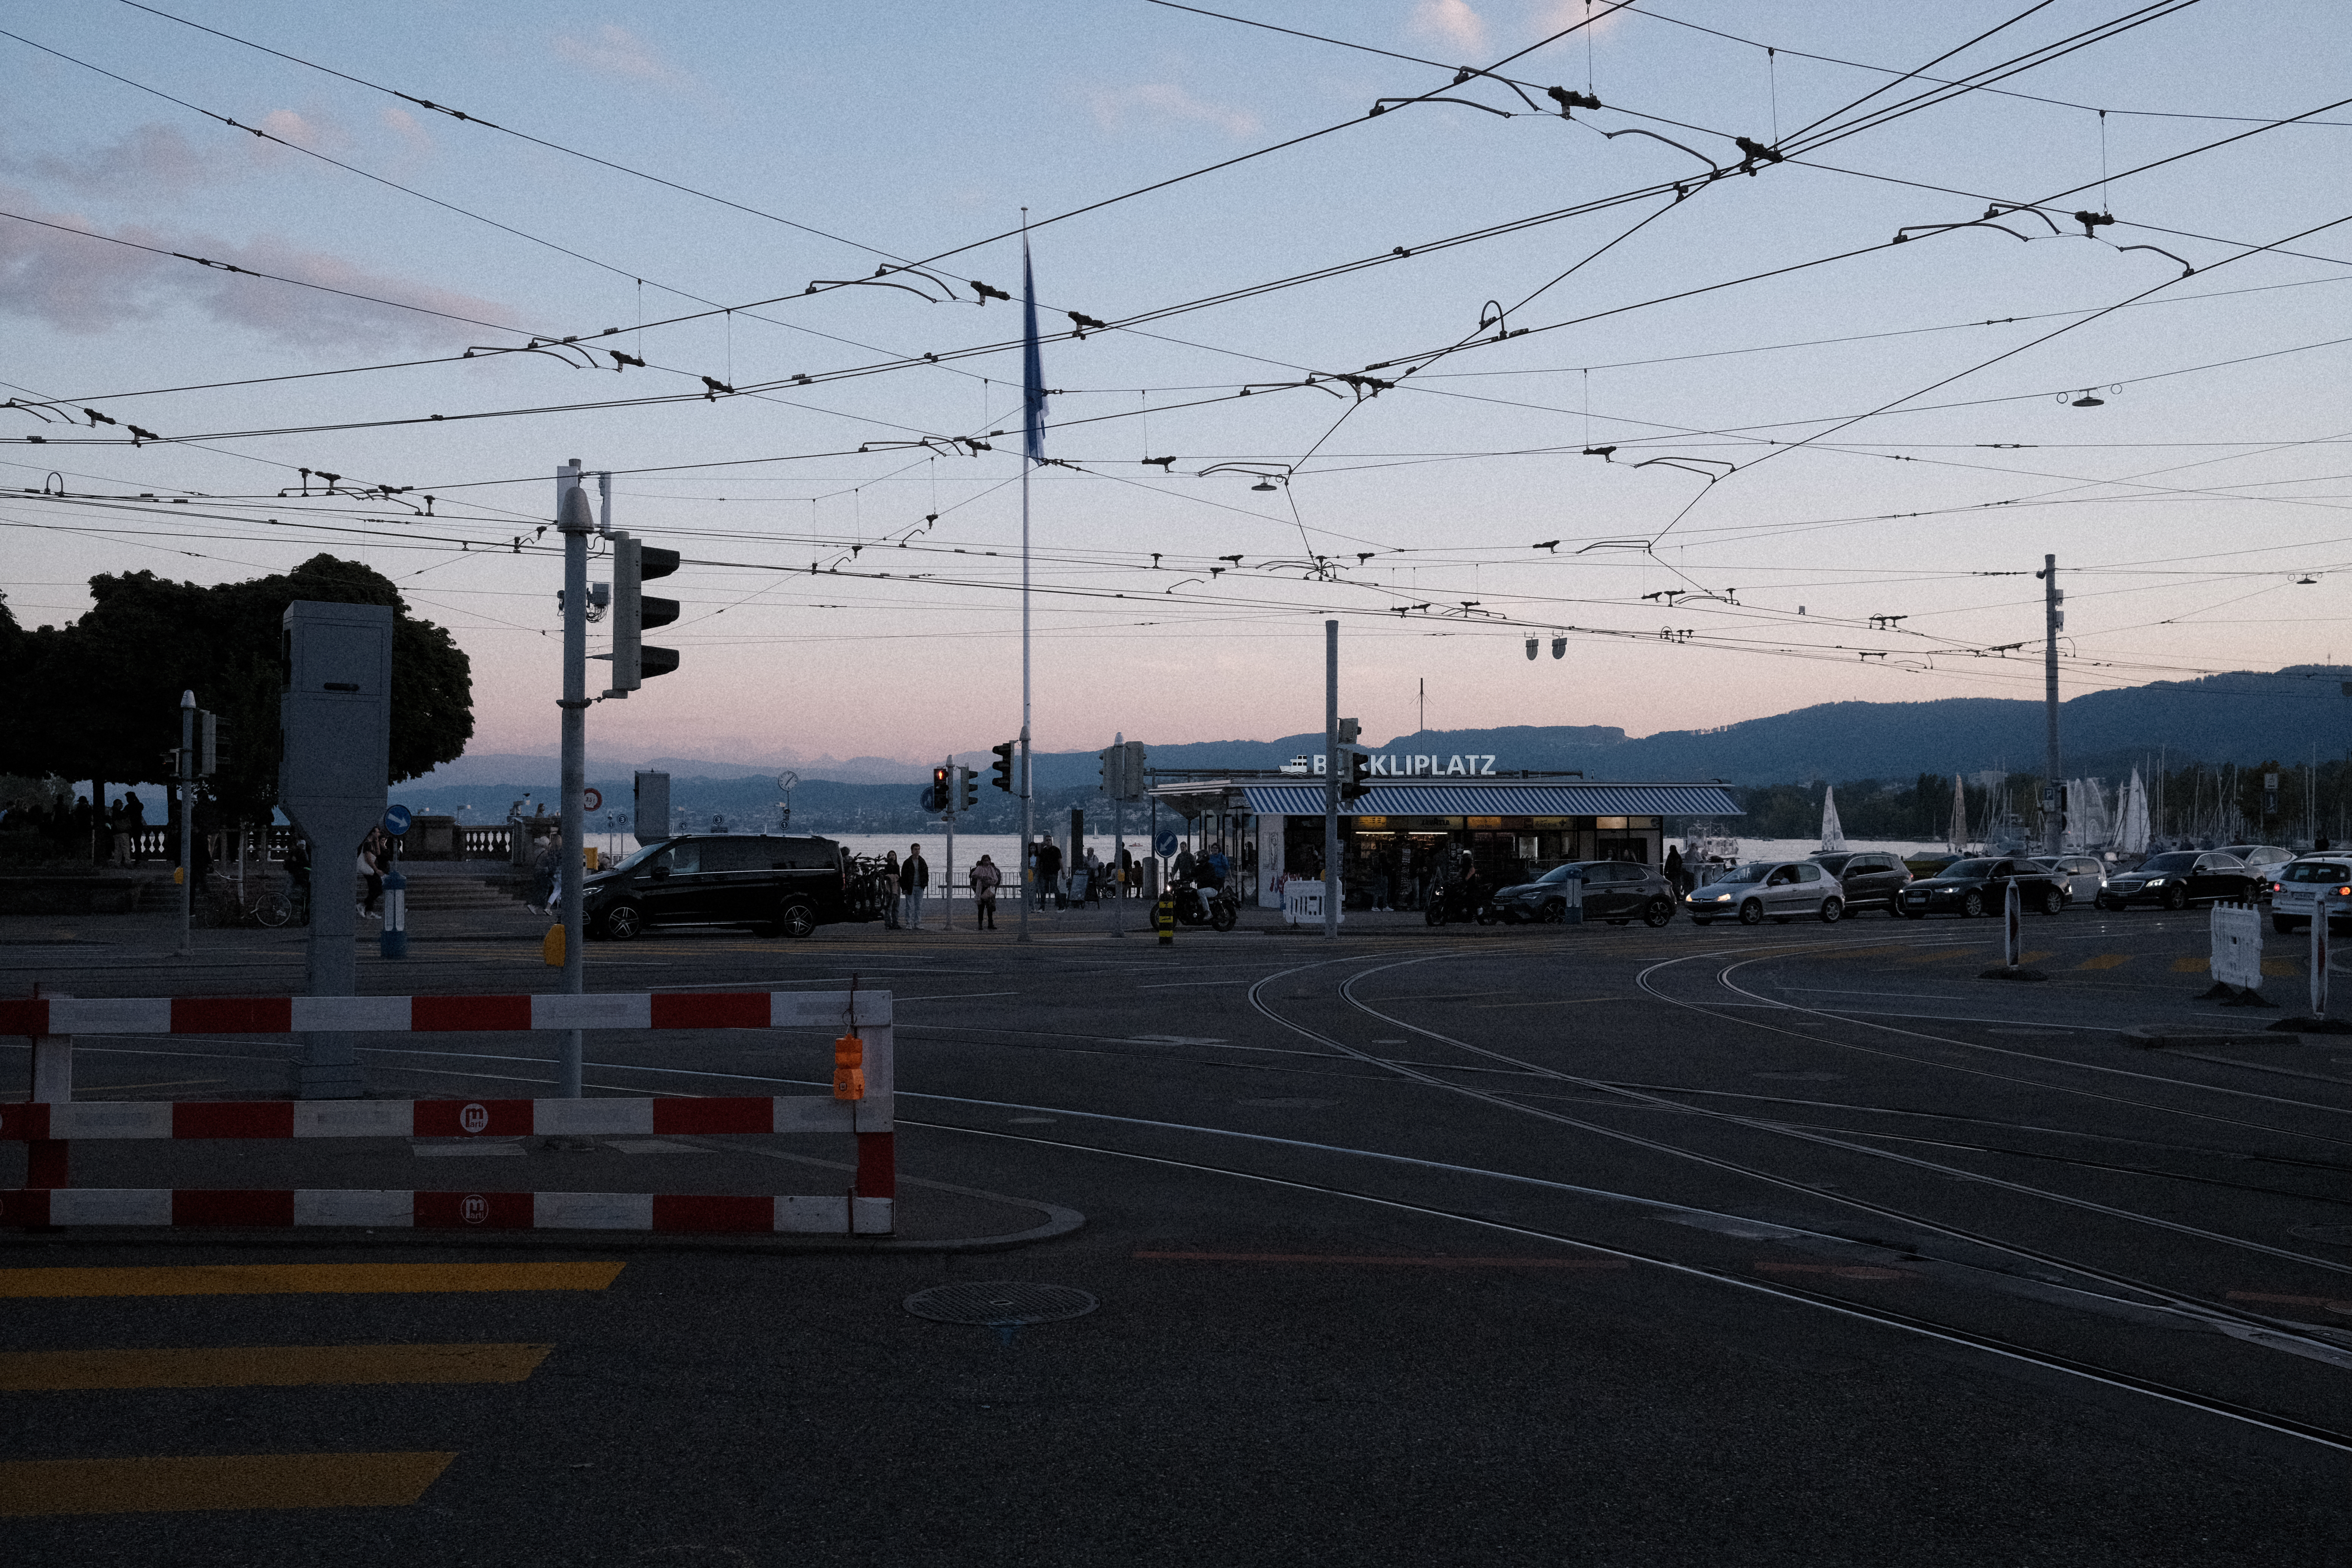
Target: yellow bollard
[[551, 947], [1163, 918]]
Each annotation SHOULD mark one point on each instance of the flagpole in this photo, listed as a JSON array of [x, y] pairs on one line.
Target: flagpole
[[1029, 389]]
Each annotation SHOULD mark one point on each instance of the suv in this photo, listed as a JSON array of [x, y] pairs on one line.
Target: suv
[[2297, 887], [773, 884], [1870, 878]]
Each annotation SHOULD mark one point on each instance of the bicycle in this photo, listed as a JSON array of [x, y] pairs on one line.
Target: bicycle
[[234, 902]]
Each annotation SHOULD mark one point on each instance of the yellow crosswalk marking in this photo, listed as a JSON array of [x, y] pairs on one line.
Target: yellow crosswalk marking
[[2106, 961], [266, 1366], [2281, 966], [306, 1278], [2191, 965], [1945, 954], [33, 1487]]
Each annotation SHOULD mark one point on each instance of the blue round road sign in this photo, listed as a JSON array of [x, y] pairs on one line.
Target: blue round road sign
[[1165, 845], [395, 820]]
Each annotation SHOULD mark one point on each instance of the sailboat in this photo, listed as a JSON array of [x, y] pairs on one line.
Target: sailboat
[[1832, 831], [2131, 818], [1960, 844]]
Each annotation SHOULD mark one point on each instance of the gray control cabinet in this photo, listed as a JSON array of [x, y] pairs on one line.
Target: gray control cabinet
[[335, 719], [652, 807]]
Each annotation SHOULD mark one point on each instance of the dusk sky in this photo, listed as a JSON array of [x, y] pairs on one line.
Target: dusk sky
[[1748, 455]]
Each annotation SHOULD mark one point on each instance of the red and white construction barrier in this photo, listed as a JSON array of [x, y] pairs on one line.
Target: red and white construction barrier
[[52, 1120]]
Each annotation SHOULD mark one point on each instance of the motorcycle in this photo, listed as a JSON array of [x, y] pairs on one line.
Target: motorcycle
[[1461, 901], [1220, 909]]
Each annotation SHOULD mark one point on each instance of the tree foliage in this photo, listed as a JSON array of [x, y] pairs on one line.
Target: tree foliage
[[98, 698]]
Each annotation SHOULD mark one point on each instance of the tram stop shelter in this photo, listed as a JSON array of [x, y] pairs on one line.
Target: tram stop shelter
[[1400, 840]]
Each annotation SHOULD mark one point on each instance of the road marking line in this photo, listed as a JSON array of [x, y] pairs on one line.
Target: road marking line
[[2106, 961], [267, 1366], [2333, 1306], [2192, 965], [1558, 1002], [306, 1278], [1841, 1270], [1384, 1262], [30, 1488]]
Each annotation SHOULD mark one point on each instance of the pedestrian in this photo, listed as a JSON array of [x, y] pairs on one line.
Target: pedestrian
[[1675, 869], [370, 873], [1049, 870], [118, 823], [985, 879], [1183, 866], [544, 874], [1091, 894], [914, 877], [892, 891]]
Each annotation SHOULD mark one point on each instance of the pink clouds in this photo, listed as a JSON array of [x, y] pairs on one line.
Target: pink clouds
[[85, 285]]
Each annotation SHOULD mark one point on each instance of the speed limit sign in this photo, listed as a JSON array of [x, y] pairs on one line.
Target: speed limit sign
[[592, 798]]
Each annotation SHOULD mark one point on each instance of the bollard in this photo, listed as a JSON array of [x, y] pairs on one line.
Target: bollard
[[45, 1159], [1163, 918], [551, 947], [2319, 955], [394, 941], [1571, 912], [2013, 922]]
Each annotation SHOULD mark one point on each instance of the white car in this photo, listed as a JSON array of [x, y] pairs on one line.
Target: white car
[[1769, 889], [2298, 885], [2083, 875]]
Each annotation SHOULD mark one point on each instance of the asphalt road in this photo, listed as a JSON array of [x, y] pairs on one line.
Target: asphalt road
[[1796, 1244]]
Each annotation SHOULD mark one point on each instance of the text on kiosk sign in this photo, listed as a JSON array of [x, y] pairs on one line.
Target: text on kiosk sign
[[1411, 764]]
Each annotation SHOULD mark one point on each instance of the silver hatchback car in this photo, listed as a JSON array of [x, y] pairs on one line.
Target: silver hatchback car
[[1769, 889]]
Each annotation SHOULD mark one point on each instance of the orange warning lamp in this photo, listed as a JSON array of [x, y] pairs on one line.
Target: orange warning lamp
[[849, 1068]]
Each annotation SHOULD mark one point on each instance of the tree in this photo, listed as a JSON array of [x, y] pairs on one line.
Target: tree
[[99, 697]]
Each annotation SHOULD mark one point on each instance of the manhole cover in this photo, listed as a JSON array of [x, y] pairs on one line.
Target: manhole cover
[[995, 1304], [2339, 1234]]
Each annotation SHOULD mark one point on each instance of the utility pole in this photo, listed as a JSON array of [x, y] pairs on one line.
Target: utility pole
[[2053, 621], [1331, 780], [576, 521], [187, 774]]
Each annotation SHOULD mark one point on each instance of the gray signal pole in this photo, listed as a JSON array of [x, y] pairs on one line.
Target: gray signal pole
[[2053, 621], [577, 522], [187, 772], [1331, 780]]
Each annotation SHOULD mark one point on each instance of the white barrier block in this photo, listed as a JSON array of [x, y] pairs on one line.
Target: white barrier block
[[872, 1217], [875, 1111], [826, 1009], [2237, 937], [593, 1211], [355, 1119], [97, 1119], [816, 1113], [558, 1010], [590, 1118], [808, 1216], [371, 1210], [332, 1015], [110, 1016], [111, 1205]]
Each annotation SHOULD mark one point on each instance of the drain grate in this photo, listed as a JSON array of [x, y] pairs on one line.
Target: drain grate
[[998, 1303]]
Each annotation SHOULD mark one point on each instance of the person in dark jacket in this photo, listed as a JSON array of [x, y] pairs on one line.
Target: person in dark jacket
[[985, 879], [1675, 869], [1049, 869], [914, 877]]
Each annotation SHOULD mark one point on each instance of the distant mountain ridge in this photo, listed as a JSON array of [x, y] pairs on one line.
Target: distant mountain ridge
[[2244, 716]]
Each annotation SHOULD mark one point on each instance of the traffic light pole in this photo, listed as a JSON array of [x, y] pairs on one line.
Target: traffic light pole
[[2053, 619], [947, 892], [576, 521], [1331, 780], [1118, 838], [186, 771]]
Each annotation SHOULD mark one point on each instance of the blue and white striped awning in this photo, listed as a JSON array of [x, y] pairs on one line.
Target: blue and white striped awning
[[1502, 800]]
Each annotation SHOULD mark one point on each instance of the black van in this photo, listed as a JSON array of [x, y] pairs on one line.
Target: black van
[[776, 885]]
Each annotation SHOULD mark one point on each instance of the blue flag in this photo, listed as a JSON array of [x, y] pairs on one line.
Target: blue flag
[[1033, 369]]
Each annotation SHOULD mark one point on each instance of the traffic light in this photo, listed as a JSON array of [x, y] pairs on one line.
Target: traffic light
[[967, 794], [1003, 767], [1113, 763], [634, 661], [935, 795], [1356, 778], [1135, 779]]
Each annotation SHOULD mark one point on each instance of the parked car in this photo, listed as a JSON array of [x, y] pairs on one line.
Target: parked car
[[1930, 863], [1767, 889], [2265, 859], [1981, 887], [774, 884], [2085, 875], [2298, 885], [1617, 892], [1872, 878], [2183, 877]]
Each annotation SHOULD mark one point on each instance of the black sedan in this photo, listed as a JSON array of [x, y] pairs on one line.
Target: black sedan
[[1981, 887], [1618, 891], [2183, 876]]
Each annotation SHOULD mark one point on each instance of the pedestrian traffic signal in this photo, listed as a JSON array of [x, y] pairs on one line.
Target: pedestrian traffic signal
[[1003, 767], [967, 794], [634, 661], [1355, 776]]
